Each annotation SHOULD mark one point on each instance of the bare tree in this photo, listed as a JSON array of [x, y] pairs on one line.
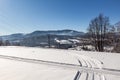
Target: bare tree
[[1, 42], [98, 28], [7, 43]]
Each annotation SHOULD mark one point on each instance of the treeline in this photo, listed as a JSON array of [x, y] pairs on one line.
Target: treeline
[[5, 43]]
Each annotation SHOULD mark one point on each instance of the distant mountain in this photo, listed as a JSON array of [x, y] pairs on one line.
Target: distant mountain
[[13, 37], [40, 37], [57, 32], [65, 32]]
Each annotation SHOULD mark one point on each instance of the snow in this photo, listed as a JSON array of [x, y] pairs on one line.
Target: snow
[[13, 70], [74, 40], [39, 53], [110, 60], [25, 63], [63, 41]]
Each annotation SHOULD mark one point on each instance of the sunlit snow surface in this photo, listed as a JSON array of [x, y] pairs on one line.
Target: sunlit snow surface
[[20, 70]]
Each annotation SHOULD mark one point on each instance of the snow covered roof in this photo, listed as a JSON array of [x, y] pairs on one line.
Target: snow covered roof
[[74, 40], [63, 41]]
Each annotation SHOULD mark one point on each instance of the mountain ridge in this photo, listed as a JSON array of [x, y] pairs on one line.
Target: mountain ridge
[[65, 32]]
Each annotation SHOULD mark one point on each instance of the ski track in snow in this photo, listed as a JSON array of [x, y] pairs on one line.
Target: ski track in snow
[[90, 63]]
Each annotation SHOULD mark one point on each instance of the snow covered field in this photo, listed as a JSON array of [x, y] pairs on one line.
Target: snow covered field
[[26, 63]]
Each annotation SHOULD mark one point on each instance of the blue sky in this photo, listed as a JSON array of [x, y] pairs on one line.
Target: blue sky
[[25, 16]]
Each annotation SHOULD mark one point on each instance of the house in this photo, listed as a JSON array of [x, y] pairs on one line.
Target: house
[[64, 44]]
